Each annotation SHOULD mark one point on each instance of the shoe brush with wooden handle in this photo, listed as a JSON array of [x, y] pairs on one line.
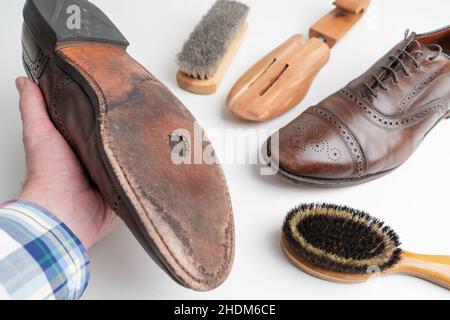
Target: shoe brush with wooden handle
[[208, 52], [281, 80], [341, 244]]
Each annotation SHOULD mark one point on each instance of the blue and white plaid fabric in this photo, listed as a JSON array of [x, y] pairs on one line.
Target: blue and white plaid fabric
[[40, 258]]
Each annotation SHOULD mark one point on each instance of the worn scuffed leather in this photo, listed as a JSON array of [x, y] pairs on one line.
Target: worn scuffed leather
[[188, 226]]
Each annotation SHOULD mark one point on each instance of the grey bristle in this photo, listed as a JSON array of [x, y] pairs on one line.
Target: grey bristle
[[203, 51]]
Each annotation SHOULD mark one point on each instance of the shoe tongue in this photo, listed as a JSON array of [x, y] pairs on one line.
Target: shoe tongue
[[425, 47]]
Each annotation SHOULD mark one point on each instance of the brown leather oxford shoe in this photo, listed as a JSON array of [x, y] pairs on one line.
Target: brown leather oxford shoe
[[376, 122], [124, 125]]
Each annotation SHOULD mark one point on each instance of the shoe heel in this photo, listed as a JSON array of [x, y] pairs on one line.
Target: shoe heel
[[53, 22]]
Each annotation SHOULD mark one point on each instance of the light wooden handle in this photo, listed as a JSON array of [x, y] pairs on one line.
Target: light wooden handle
[[279, 81], [432, 268], [338, 22]]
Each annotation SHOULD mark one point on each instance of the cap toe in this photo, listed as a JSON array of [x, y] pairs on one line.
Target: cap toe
[[310, 147]]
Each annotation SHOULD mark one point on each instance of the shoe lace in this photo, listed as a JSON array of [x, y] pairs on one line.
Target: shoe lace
[[401, 57]]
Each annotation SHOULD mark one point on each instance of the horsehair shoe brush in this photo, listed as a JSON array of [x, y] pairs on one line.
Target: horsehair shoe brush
[[341, 244], [208, 52], [281, 80]]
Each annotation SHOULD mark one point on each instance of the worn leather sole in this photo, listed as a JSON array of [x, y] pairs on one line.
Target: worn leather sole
[[326, 183], [181, 214]]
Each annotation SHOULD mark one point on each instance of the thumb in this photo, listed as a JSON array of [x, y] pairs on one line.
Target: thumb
[[35, 119]]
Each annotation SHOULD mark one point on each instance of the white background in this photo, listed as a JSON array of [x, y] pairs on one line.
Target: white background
[[414, 200]]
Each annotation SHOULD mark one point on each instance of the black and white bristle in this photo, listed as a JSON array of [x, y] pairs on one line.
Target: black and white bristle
[[341, 239]]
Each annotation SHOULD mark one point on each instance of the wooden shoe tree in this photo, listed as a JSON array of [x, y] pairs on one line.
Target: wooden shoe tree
[[281, 80]]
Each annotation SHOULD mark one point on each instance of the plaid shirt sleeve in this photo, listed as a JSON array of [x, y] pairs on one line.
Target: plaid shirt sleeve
[[40, 258]]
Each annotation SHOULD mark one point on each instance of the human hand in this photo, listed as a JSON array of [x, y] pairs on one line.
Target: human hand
[[55, 178]]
